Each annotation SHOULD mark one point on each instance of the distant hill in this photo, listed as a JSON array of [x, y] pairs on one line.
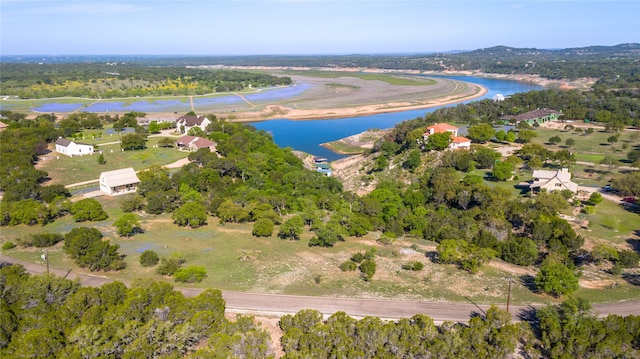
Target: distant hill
[[593, 61]]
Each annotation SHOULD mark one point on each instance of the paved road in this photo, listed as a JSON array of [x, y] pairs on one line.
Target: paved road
[[275, 304]]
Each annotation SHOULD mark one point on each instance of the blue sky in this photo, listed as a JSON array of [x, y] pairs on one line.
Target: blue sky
[[243, 27]]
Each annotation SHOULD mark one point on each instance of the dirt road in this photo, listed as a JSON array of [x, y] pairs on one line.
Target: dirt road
[[277, 305]]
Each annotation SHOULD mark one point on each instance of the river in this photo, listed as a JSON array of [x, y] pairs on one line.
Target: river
[[308, 135]]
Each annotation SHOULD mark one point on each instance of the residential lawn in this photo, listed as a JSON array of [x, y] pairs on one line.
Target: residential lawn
[[67, 170], [589, 148], [235, 260], [611, 222]]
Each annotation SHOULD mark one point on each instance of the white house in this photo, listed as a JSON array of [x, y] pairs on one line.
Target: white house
[[553, 181], [185, 123], [72, 148], [119, 182]]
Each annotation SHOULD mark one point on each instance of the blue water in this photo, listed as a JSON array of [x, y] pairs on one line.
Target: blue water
[[308, 135]]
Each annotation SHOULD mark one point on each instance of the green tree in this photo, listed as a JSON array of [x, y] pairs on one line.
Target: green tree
[[263, 227], [368, 269], [169, 265], [511, 136], [519, 250], [88, 209], [191, 274], [292, 228], [595, 198], [327, 236], [439, 141], [26, 211], [627, 184], [570, 142], [44, 239], [608, 161], [501, 135], [86, 247], [149, 258], [502, 171], [413, 160], [565, 157], [133, 141], [481, 133], [131, 202], [101, 160], [166, 142], [190, 214], [525, 136], [555, 278], [128, 224], [555, 140], [154, 127]]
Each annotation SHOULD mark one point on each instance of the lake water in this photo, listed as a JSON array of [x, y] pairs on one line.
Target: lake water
[[308, 135]]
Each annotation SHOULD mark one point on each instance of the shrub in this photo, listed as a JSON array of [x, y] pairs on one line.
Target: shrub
[[358, 257], [348, 266], [86, 247], [45, 239], [191, 274], [589, 209], [368, 269], [414, 266], [8, 245], [190, 214], [88, 209], [595, 198], [169, 266], [128, 224], [263, 228], [132, 202], [149, 258]]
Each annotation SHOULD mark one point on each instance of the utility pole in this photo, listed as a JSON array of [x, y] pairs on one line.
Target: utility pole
[[45, 256], [509, 293]]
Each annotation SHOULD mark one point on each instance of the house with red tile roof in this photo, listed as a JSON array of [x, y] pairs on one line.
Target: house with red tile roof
[[456, 141]]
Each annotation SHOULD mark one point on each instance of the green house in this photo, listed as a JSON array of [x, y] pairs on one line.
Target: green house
[[539, 116]]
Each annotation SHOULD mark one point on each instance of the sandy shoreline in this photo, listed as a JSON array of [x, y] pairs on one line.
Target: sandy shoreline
[[280, 111]]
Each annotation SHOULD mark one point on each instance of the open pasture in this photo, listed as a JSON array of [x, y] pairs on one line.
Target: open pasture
[[236, 260], [67, 170]]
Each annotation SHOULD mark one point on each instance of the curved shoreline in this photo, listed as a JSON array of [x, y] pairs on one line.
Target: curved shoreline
[[281, 112]]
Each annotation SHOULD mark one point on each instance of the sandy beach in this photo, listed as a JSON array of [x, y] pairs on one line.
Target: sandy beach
[[350, 96]]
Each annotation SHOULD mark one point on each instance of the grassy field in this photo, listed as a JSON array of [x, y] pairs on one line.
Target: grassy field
[[589, 148], [66, 170], [235, 260], [390, 79], [611, 222]]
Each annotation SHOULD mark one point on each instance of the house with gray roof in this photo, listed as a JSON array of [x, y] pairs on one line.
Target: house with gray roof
[[119, 182], [185, 123], [72, 148], [552, 181]]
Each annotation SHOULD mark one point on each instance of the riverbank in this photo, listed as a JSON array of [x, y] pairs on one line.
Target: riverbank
[[293, 113]]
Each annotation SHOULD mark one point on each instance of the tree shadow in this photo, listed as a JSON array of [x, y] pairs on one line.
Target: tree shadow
[[528, 314], [432, 255], [527, 280], [632, 278], [595, 170], [634, 242]]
